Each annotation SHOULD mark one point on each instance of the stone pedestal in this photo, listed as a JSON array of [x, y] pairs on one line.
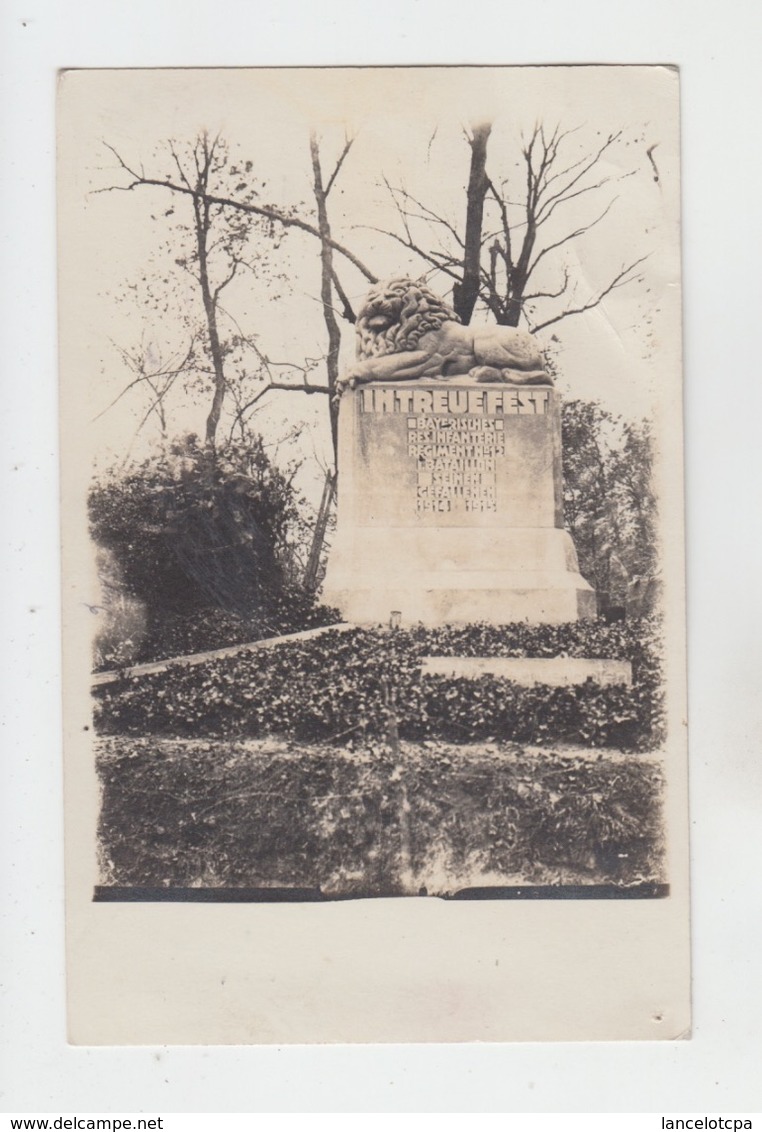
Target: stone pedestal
[[450, 507]]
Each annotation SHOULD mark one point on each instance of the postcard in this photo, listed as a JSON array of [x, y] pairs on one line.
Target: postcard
[[371, 421]]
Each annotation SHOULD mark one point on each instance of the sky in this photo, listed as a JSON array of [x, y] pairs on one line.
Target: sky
[[408, 125]]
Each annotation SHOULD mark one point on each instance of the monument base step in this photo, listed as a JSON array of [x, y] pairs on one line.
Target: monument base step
[[569, 599], [453, 575], [555, 671]]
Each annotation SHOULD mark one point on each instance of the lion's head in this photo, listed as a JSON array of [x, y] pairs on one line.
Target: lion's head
[[396, 314]]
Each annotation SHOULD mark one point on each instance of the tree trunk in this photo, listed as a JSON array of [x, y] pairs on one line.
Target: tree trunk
[[326, 289], [466, 293], [511, 313], [318, 537], [518, 276], [201, 207]]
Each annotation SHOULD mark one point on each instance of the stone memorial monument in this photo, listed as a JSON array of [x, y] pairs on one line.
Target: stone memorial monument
[[450, 493]]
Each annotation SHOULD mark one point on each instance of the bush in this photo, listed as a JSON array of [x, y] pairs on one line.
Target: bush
[[371, 683], [177, 635], [204, 547], [610, 504]]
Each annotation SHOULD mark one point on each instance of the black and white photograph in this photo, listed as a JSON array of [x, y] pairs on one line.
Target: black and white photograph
[[373, 542]]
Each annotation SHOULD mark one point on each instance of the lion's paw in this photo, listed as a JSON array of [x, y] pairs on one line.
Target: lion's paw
[[486, 374], [527, 377]]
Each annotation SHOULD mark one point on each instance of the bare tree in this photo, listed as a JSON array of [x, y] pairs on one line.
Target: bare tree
[[329, 282], [198, 256], [204, 153], [223, 227], [328, 276], [507, 239]]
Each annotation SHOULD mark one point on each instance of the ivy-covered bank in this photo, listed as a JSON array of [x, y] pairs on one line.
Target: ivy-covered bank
[[266, 812], [368, 683]]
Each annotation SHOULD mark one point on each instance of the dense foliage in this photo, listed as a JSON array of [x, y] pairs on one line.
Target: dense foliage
[[187, 813], [610, 505], [364, 683], [207, 546]]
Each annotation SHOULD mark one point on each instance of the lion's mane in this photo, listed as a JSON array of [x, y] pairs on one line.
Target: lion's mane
[[418, 311]]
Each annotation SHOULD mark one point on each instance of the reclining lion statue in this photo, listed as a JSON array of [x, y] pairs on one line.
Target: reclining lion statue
[[406, 332]]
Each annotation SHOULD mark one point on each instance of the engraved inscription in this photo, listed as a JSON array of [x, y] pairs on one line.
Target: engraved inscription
[[493, 401], [455, 461]]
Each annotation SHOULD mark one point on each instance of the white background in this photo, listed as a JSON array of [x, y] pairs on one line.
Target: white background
[[717, 51]]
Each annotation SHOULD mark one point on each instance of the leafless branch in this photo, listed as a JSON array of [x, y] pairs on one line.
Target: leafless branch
[[347, 146], [585, 168], [569, 168], [136, 364], [624, 277], [492, 297], [226, 280], [426, 214], [550, 294], [581, 192], [177, 162], [429, 257], [287, 386], [348, 312], [140, 181], [570, 236], [506, 252], [153, 407]]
